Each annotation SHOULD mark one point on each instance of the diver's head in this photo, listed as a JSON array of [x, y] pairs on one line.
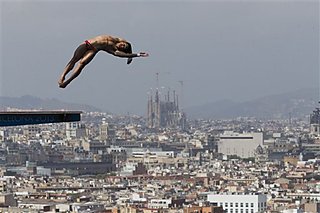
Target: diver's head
[[124, 47]]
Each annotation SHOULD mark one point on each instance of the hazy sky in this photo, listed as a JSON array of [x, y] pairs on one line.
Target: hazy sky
[[237, 50]]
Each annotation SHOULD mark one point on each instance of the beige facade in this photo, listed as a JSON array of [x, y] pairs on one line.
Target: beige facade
[[240, 144]]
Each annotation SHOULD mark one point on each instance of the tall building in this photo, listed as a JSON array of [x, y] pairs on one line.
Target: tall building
[[103, 131], [240, 203], [163, 114], [315, 122], [107, 131], [240, 144]]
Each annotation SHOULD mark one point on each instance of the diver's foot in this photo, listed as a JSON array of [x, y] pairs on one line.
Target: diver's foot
[[62, 84]]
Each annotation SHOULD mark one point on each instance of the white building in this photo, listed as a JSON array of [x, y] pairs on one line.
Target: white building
[[3, 135], [240, 144], [240, 203], [43, 171], [159, 203], [128, 169], [292, 211], [156, 154]]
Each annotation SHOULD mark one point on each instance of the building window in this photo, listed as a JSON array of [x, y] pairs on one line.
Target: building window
[[252, 205], [236, 204], [226, 204], [231, 204], [251, 210], [236, 210], [241, 210], [247, 205], [241, 204]]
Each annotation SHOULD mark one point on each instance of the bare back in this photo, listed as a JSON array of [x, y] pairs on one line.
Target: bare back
[[105, 42]]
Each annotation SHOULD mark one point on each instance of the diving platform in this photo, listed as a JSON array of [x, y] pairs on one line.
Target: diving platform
[[17, 118]]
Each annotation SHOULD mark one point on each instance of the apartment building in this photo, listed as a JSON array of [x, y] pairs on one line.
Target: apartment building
[[239, 203]]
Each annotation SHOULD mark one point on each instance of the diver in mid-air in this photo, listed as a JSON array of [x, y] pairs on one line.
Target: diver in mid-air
[[87, 50]]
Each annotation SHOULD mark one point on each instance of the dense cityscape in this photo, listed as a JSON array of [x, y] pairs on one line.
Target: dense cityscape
[[160, 106], [162, 163]]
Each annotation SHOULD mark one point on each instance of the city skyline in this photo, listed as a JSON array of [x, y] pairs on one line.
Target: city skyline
[[297, 104]]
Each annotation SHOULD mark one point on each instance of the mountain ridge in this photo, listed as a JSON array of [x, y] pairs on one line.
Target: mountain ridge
[[28, 102], [299, 103]]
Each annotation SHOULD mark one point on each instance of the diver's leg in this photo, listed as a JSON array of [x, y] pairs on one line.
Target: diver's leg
[[78, 54], [83, 62]]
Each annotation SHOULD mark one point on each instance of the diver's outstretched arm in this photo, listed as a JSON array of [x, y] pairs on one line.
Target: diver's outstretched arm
[[129, 55]]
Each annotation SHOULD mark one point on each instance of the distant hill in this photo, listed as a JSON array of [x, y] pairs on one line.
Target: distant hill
[[297, 104], [31, 102]]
